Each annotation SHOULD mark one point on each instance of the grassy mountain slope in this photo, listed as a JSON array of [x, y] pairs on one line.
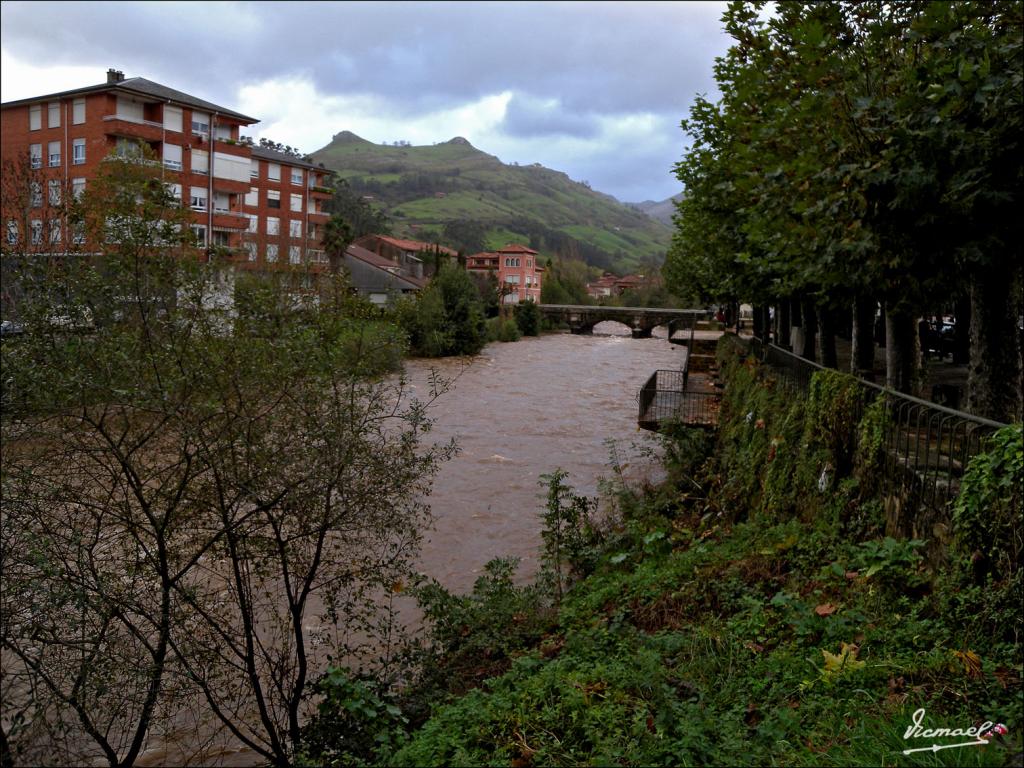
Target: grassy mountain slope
[[424, 188]]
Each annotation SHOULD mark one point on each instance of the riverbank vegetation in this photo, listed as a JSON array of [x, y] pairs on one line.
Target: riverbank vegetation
[[753, 609], [187, 483]]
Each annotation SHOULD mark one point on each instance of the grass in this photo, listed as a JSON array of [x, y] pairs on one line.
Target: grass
[[479, 187]]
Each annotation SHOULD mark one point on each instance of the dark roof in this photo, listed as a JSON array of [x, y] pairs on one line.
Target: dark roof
[[281, 157], [143, 87], [372, 258], [386, 265]]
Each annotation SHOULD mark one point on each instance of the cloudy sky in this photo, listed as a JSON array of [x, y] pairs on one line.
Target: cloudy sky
[[595, 89]]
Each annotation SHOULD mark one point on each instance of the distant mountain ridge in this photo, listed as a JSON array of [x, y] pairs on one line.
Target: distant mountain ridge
[[663, 211], [453, 187]]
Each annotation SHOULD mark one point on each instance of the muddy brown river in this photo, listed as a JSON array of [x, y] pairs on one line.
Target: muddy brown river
[[517, 411]]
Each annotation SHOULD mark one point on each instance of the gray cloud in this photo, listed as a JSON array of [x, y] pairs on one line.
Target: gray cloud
[[527, 117], [569, 65]]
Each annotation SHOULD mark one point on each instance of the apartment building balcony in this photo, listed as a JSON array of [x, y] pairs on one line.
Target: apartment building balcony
[[231, 147], [318, 192], [232, 220], [231, 186], [132, 127]]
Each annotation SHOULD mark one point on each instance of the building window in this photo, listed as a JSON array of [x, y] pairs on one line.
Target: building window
[[78, 151], [35, 155], [294, 254], [296, 203], [35, 117], [273, 225], [172, 157], [295, 228], [172, 118], [78, 111], [297, 176], [274, 171], [254, 222], [35, 194], [174, 190], [55, 233], [200, 161], [12, 232], [253, 197], [54, 154], [78, 232], [254, 168], [201, 123], [54, 191], [273, 198], [221, 202], [271, 252], [197, 200], [53, 114], [222, 132], [251, 247], [37, 231], [220, 238], [200, 234]]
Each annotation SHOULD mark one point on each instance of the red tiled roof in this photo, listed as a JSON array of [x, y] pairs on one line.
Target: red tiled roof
[[517, 248], [415, 245]]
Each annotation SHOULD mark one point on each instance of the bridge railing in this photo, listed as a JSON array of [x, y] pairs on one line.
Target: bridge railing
[[926, 447]]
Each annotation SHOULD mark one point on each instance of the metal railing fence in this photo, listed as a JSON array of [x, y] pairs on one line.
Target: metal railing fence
[[926, 446]]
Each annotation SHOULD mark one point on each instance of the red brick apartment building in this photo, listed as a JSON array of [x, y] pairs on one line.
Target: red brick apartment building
[[266, 206], [516, 268]]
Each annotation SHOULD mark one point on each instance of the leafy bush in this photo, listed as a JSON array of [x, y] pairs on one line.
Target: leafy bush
[[528, 318], [502, 329], [447, 318]]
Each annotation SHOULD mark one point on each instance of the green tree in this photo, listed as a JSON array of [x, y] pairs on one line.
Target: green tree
[[863, 152], [447, 318], [184, 498]]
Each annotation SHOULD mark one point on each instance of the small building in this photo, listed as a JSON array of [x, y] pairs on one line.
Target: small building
[[613, 285], [377, 278], [415, 258], [517, 269]]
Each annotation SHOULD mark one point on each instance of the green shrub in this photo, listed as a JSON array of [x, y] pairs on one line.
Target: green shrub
[[528, 318], [502, 329]]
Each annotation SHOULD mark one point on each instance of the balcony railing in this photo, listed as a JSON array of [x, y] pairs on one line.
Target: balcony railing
[[136, 120]]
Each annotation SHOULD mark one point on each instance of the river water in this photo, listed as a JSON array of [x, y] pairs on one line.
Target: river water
[[517, 411]]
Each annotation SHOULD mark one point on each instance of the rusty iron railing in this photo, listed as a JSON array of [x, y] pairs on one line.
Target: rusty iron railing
[[665, 398], [927, 446]]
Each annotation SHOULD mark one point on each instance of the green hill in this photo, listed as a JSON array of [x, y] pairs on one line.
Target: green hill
[[464, 197]]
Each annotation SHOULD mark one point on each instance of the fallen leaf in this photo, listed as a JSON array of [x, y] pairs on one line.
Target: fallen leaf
[[825, 609]]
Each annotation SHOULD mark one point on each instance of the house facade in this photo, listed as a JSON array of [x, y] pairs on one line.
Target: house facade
[[233, 189], [516, 268]]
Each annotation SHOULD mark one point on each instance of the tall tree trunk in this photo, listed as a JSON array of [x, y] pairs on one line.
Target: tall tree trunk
[[782, 316], [994, 375], [759, 329], [902, 351], [862, 355], [880, 326], [826, 338], [810, 330], [962, 331]]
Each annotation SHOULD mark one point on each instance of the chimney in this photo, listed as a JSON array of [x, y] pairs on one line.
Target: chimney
[[114, 76]]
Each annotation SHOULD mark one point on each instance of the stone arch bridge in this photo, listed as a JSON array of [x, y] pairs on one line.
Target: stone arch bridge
[[641, 320]]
